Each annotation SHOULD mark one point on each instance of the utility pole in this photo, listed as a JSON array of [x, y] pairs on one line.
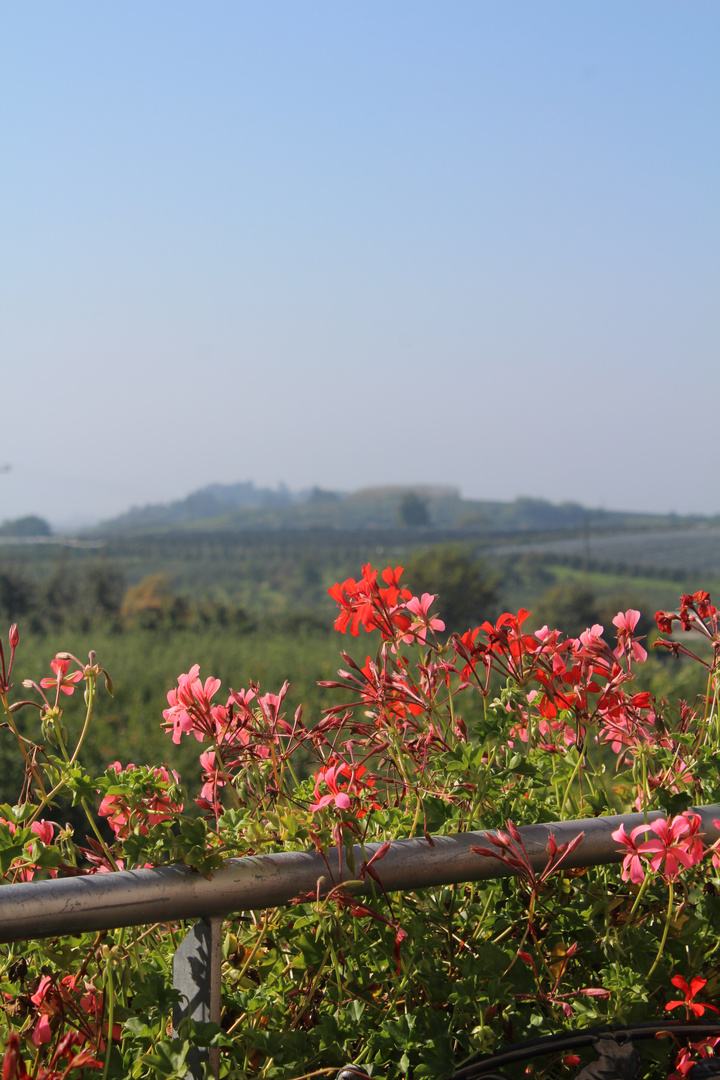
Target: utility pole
[[586, 542]]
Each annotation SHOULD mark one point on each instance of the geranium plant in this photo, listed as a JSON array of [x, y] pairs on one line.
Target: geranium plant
[[499, 727]]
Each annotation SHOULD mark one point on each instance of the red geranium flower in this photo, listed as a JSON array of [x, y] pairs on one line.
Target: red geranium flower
[[690, 991]]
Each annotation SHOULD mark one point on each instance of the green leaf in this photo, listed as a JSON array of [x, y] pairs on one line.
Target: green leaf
[[672, 803]]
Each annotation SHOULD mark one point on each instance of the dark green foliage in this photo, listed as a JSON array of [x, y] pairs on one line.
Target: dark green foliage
[[413, 510], [320, 495], [56, 597], [104, 586], [467, 592], [16, 596], [69, 595], [571, 605]]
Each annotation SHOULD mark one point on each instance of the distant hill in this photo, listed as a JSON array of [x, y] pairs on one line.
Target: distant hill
[[25, 526], [213, 501], [242, 507]]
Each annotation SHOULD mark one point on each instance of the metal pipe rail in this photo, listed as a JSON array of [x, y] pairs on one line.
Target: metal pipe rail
[[137, 897]]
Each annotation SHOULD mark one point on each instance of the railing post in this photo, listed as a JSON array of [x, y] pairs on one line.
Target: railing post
[[197, 969]]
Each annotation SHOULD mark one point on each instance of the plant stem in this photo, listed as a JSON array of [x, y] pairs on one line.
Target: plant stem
[[635, 906], [110, 1007], [256, 946], [13, 727], [668, 917], [646, 797], [576, 770], [89, 702], [230, 787]]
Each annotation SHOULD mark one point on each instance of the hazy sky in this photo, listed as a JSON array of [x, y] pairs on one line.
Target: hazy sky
[[351, 243]]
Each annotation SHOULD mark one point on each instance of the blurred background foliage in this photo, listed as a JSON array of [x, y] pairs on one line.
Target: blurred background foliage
[[254, 607]]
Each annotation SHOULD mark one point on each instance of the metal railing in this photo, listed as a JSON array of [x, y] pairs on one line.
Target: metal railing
[[138, 897]]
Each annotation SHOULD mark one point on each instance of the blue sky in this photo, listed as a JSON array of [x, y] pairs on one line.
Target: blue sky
[[359, 243]]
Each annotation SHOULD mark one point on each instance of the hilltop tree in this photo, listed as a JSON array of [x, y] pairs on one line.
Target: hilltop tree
[[413, 510], [26, 526]]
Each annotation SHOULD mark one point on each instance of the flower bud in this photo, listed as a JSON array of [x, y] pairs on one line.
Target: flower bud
[[14, 636]]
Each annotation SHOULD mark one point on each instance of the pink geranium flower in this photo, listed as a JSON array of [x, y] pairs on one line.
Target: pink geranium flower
[[592, 635], [632, 867], [44, 830], [42, 1032], [714, 848], [63, 681], [686, 1060], [420, 607], [329, 777], [190, 708], [143, 809], [40, 994], [627, 645], [678, 845], [592, 646]]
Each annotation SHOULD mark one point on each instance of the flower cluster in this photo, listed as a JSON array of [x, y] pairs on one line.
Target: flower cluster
[[64, 998], [688, 1057], [697, 613], [66, 1058], [147, 797], [675, 847], [368, 604], [190, 708], [340, 782], [27, 865]]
